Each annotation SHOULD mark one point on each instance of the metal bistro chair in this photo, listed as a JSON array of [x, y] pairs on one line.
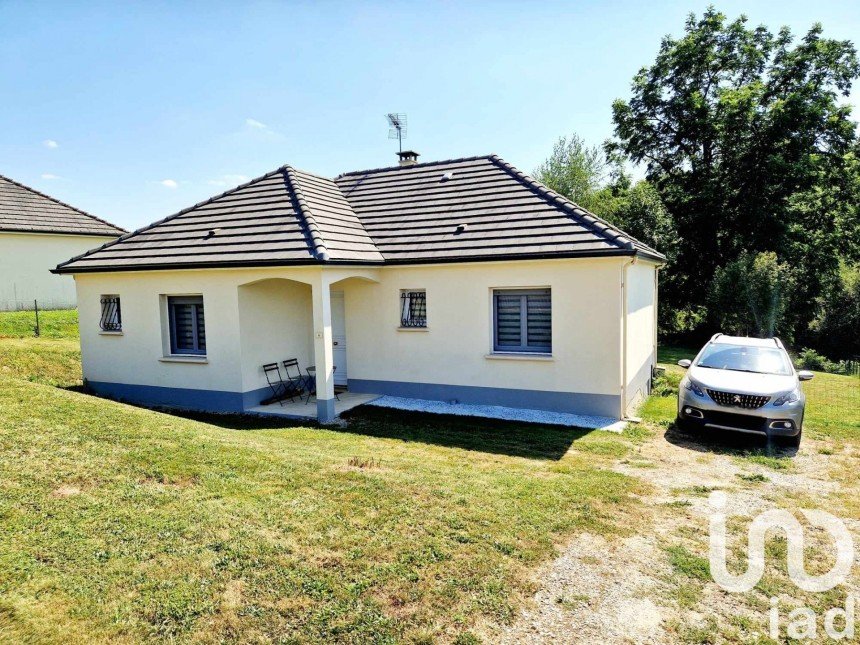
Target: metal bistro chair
[[276, 383], [297, 382], [282, 389], [312, 381]]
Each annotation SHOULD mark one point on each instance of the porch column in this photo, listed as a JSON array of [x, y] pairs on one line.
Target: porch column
[[323, 352]]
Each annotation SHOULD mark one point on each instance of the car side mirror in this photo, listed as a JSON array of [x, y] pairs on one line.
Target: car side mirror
[[805, 375], [685, 363]]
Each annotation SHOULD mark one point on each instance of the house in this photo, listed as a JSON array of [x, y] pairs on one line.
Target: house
[[37, 232], [462, 280]]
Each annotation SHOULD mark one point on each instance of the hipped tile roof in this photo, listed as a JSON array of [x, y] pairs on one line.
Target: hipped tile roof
[[24, 210], [472, 209]]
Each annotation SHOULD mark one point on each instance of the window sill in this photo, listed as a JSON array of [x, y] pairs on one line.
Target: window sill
[[110, 333], [412, 328], [202, 360], [519, 356]]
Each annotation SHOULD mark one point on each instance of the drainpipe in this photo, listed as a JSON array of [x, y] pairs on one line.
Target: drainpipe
[[656, 319], [623, 411]]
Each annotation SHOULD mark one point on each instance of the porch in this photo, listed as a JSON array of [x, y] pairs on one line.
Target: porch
[[301, 317], [308, 410]]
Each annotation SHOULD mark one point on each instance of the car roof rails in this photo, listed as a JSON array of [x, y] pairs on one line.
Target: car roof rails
[[778, 342], [715, 336]]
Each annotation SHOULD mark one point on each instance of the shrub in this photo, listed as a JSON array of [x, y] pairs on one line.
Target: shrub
[[809, 359]]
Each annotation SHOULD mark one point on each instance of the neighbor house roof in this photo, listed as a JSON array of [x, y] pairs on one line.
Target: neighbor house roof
[[25, 210], [472, 209]]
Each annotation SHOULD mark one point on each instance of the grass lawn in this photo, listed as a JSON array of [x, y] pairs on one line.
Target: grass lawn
[[62, 323], [120, 523]]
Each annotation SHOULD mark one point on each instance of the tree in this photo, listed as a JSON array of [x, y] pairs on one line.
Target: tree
[[837, 328], [750, 295], [574, 170], [741, 131]]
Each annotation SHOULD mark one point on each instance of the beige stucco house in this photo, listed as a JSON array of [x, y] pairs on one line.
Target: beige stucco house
[[463, 280], [37, 232]]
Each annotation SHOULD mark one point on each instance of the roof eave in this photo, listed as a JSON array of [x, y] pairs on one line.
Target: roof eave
[[508, 257]]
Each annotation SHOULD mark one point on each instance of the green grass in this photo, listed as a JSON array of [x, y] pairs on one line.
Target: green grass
[[62, 323], [129, 524], [688, 564]]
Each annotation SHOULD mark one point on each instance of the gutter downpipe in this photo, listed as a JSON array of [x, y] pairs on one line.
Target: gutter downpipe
[[623, 412]]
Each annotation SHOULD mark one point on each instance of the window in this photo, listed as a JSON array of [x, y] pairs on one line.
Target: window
[[111, 318], [522, 320], [187, 325], [413, 308]]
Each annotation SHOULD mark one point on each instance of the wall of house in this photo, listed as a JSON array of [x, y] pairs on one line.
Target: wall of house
[[453, 358], [253, 318], [26, 261], [276, 323], [641, 333]]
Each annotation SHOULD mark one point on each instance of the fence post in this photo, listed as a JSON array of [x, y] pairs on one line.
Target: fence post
[[36, 303]]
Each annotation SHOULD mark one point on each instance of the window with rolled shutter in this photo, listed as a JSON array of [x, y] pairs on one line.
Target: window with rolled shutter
[[522, 320], [187, 325]]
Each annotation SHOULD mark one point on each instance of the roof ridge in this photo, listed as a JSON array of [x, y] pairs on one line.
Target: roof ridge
[[305, 212], [143, 229], [622, 239], [417, 165], [62, 203]]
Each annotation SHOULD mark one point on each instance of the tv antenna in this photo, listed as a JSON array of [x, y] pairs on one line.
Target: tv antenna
[[397, 123]]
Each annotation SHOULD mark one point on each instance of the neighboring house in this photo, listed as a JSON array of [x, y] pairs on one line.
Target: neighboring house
[[37, 232], [460, 280]]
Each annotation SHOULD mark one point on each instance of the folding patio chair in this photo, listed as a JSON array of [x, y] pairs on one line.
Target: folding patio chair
[[276, 383], [295, 383]]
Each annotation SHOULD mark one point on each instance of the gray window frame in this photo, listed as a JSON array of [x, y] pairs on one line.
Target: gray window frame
[[524, 347], [195, 302]]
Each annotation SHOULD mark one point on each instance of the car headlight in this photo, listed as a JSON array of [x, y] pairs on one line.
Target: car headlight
[[694, 387], [788, 397]]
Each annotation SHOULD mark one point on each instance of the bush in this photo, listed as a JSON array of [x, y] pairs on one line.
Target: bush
[[809, 359]]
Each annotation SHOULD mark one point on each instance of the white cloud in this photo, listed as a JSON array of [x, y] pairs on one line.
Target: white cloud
[[47, 175], [253, 123], [50, 143], [169, 183]]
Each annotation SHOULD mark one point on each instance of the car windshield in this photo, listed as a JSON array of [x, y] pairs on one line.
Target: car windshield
[[760, 360]]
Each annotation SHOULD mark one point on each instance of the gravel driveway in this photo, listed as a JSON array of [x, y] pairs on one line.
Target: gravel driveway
[[626, 590]]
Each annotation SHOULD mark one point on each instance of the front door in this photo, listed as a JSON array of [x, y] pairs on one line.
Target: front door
[[338, 335]]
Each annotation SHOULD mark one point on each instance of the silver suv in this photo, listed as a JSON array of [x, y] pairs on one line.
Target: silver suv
[[743, 384]]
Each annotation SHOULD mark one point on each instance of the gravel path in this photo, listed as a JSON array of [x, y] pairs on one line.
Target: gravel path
[[620, 591], [500, 412]]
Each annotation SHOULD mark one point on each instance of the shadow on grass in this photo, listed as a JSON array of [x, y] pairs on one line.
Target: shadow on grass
[[726, 442], [511, 438]]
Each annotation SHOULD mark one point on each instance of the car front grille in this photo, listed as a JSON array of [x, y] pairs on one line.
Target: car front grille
[[731, 399]]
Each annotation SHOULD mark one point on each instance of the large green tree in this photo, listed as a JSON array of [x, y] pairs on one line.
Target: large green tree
[[746, 137], [575, 170]]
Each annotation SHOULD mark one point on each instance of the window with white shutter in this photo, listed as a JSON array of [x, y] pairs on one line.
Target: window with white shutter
[[522, 320], [187, 324]]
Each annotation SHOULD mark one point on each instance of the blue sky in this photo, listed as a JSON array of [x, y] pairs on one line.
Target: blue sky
[[133, 111]]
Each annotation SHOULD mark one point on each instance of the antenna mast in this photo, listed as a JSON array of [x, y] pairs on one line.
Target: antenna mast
[[397, 128]]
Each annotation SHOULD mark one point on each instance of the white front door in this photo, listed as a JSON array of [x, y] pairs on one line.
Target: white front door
[[338, 335]]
